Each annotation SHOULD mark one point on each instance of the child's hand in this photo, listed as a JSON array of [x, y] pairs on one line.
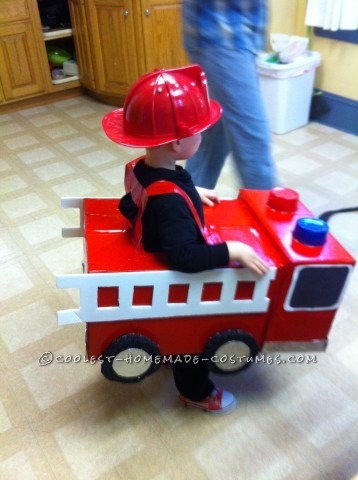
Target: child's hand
[[208, 197], [240, 252]]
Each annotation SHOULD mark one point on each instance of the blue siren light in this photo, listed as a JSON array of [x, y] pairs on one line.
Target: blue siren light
[[311, 231]]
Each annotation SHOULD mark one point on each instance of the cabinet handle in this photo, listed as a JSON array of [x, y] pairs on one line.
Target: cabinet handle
[[147, 12], [125, 13]]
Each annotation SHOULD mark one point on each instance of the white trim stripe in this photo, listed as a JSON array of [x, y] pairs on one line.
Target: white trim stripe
[[161, 281]]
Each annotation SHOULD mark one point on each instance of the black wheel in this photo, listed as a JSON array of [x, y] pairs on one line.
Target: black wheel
[[130, 358], [230, 351]]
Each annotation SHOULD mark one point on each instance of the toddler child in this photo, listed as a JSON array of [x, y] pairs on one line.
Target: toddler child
[[165, 113]]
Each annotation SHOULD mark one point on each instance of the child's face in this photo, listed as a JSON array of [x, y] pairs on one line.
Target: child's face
[[189, 145]]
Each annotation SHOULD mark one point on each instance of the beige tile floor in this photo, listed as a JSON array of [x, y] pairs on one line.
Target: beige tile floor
[[65, 421]]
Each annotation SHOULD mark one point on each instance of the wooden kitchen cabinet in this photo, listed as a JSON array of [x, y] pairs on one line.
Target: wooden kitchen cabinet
[[14, 11], [112, 27], [1, 95], [130, 37], [22, 64], [162, 34], [84, 54], [25, 76], [115, 42]]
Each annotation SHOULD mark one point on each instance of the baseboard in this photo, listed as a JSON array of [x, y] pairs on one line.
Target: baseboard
[[335, 111], [38, 100]]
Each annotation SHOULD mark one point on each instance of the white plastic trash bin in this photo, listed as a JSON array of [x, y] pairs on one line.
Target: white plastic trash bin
[[287, 90]]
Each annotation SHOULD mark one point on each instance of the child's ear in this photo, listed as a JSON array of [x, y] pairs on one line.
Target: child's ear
[[176, 146]]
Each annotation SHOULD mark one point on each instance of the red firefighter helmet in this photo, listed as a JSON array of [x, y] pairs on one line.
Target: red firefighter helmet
[[163, 106]]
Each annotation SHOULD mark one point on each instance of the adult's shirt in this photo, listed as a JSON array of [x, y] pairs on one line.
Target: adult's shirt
[[168, 225], [232, 24]]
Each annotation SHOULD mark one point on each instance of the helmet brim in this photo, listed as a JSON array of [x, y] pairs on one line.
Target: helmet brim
[[113, 126]]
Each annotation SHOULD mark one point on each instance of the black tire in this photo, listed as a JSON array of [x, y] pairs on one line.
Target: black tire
[[230, 351], [130, 358]]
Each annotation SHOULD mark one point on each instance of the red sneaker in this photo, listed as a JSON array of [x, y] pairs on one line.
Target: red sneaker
[[219, 401]]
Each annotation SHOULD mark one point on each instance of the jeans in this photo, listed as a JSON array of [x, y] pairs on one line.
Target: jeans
[[243, 129]]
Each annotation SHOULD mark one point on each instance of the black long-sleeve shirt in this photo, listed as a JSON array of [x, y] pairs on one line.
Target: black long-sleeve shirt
[[168, 225]]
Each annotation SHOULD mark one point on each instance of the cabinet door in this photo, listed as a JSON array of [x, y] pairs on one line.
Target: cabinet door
[[82, 45], [14, 10], [113, 42], [162, 32], [21, 66]]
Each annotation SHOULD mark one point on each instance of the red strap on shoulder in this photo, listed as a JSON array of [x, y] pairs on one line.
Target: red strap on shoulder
[[140, 197], [131, 183], [163, 187]]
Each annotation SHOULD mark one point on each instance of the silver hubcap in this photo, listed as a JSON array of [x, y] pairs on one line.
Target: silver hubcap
[[231, 356], [132, 362]]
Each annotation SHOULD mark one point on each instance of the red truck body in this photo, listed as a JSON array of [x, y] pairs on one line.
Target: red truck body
[[126, 291]]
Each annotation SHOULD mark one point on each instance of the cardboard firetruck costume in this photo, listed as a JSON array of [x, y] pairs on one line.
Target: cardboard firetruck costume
[[138, 312]]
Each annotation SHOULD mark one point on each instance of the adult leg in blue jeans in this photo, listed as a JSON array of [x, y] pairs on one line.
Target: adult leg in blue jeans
[[243, 129]]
